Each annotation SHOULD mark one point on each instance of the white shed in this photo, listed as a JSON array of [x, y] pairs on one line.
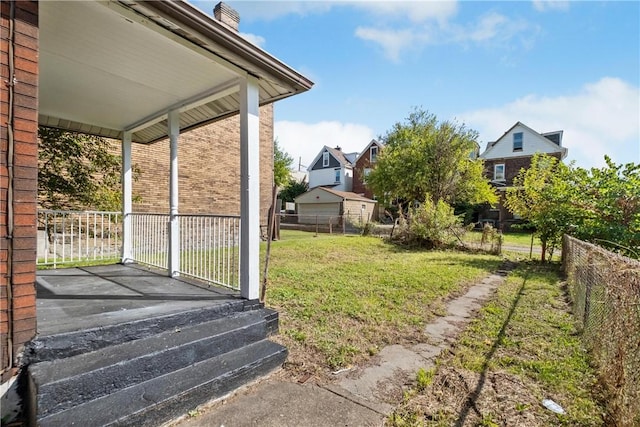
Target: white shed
[[327, 206]]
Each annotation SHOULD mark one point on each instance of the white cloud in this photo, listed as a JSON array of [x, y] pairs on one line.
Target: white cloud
[[488, 27], [255, 39], [392, 42], [545, 5], [602, 118], [490, 30], [305, 140], [414, 11]]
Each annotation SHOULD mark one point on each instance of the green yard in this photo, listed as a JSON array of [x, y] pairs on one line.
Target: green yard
[[342, 298]]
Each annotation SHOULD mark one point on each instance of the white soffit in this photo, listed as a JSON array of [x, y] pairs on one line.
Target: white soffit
[[106, 68]]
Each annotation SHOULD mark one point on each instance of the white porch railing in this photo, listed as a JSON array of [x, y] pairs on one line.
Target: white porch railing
[[209, 244], [150, 239], [210, 248], [76, 236]]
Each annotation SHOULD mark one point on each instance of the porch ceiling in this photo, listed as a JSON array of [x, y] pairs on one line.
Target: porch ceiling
[[109, 67]]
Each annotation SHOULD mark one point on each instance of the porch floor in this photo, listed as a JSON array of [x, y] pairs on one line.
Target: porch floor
[[74, 299]]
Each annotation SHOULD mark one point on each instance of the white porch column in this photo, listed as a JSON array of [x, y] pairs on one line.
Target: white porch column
[[249, 188], [126, 256], [174, 228]]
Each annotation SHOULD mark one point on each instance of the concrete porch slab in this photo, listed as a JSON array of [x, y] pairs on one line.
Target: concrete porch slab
[[80, 298]]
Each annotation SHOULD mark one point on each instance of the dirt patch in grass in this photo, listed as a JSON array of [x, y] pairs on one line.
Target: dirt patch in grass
[[460, 394]]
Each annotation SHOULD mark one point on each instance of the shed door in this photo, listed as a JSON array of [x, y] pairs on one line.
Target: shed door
[[323, 211]]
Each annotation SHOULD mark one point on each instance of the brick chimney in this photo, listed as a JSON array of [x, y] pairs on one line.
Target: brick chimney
[[227, 15]]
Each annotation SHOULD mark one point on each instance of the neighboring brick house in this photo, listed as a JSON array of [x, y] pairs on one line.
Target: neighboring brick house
[[332, 168], [209, 178], [363, 165], [505, 157]]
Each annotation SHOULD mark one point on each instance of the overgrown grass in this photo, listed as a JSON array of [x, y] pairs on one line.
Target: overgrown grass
[[342, 298], [522, 348]]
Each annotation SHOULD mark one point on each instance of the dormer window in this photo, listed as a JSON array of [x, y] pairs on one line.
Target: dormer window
[[373, 154], [498, 172], [325, 159], [517, 141]]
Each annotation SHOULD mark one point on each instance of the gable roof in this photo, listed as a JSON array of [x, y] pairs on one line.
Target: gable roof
[[337, 154], [344, 195], [366, 149], [545, 138]]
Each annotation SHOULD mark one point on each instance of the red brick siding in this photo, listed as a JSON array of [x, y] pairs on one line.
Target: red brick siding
[[359, 186], [209, 169], [512, 167], [22, 257]]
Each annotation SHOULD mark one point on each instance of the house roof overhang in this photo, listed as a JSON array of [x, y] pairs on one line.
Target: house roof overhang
[[107, 67]]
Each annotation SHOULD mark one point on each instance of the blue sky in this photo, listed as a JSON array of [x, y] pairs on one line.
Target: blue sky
[[553, 65]]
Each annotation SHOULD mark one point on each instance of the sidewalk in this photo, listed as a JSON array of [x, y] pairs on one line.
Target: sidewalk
[[364, 396]]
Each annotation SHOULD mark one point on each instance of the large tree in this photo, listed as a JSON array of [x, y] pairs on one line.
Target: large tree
[[600, 205], [77, 171], [424, 158], [282, 162], [542, 195]]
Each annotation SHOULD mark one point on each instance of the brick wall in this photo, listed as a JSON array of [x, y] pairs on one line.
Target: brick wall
[[512, 166], [359, 186], [208, 169], [18, 254]]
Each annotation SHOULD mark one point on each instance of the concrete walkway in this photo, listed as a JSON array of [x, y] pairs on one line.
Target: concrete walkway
[[364, 396]]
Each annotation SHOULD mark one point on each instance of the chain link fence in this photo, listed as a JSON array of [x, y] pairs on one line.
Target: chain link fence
[[605, 289]]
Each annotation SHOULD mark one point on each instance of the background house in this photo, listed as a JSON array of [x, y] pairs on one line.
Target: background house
[[332, 168], [505, 157], [363, 165]]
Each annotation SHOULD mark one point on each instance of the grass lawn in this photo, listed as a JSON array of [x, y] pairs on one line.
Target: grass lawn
[[342, 298], [522, 348]]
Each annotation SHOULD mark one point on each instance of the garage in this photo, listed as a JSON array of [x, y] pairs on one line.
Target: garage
[[327, 206]]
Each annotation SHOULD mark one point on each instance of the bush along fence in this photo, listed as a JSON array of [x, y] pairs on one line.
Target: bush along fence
[[605, 289]]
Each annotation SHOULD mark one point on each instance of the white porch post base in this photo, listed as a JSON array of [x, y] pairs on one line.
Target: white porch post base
[[174, 227], [250, 189], [126, 256]]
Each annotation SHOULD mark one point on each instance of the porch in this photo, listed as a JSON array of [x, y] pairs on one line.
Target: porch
[[132, 338], [83, 298]]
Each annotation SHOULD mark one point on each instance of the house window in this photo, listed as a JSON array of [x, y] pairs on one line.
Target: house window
[[373, 155], [517, 141], [337, 175], [325, 159], [498, 172], [366, 172], [363, 207]]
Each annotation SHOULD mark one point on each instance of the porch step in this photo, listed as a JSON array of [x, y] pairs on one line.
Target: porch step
[[68, 344], [150, 380]]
